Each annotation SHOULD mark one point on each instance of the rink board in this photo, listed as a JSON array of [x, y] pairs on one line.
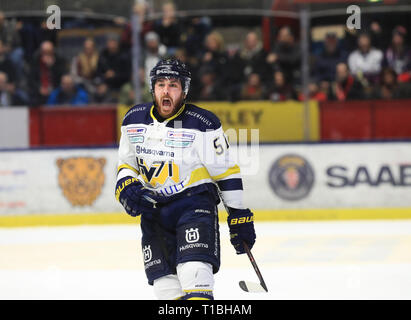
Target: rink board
[[260, 216], [281, 182]]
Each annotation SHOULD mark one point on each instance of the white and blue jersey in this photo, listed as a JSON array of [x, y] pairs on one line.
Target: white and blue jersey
[[187, 153]]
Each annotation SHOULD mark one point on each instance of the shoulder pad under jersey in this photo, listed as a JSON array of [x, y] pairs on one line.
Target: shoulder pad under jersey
[[198, 118], [140, 113]]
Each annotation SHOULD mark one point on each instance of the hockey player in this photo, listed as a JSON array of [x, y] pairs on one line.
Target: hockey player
[[174, 165]]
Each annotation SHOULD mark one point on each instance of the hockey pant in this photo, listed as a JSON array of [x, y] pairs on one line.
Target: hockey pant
[[185, 231]]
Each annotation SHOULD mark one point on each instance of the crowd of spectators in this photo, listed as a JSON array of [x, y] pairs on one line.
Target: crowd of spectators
[[32, 72]]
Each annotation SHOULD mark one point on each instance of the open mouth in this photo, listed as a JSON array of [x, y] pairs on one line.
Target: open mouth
[[166, 102]]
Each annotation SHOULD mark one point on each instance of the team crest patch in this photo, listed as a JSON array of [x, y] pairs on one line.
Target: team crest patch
[[81, 179], [291, 177]]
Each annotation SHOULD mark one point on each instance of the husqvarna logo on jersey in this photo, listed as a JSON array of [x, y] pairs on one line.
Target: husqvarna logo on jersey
[[192, 235], [192, 238], [147, 254]]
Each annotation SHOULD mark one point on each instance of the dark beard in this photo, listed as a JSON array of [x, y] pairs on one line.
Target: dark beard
[[179, 104]]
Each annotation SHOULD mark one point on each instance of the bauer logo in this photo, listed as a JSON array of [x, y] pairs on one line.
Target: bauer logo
[[291, 177], [192, 235], [147, 254]]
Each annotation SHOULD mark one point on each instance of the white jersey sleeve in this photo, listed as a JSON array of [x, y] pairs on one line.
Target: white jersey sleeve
[[127, 165], [217, 158]]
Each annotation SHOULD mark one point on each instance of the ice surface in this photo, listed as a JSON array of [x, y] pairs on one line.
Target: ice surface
[[299, 260]]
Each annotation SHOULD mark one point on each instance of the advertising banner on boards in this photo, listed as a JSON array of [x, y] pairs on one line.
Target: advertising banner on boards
[[348, 175], [275, 177], [58, 181]]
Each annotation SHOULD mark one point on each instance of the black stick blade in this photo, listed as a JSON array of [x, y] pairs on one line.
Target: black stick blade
[[252, 287], [243, 286]]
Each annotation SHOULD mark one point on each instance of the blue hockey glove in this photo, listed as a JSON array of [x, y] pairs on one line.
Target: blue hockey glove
[[241, 224], [135, 198]]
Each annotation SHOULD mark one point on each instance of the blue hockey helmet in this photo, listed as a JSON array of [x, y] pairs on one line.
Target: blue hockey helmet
[[171, 68]]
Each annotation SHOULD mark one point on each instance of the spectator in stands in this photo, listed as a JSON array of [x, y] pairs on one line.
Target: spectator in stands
[[380, 38], [154, 52], [350, 39], [84, 65], [389, 87], [169, 28], [214, 56], [315, 92], [325, 63], [9, 94], [181, 54], [191, 62], [212, 71], [8, 33], [46, 71], [194, 35], [253, 55], [127, 95], [281, 89], [193, 65], [398, 55], [141, 9], [346, 86], [209, 89], [6, 65], [10, 37], [286, 54], [365, 60], [68, 93], [102, 93], [33, 33], [253, 88], [114, 66], [234, 75]]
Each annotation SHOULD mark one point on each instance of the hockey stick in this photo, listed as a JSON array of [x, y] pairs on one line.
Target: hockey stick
[[249, 286]]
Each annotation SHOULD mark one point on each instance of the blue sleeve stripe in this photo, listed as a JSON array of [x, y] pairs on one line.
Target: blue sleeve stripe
[[230, 184]]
